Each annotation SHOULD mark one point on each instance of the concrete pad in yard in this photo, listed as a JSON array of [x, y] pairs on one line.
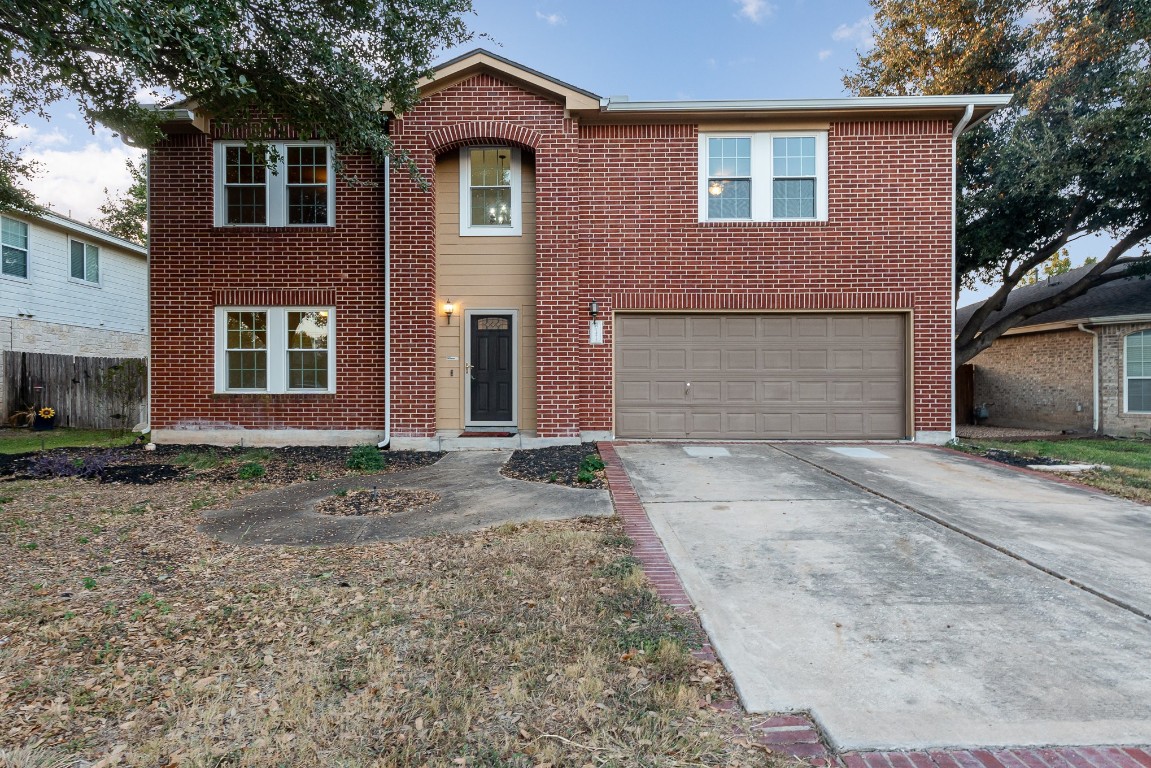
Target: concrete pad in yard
[[895, 631], [1100, 541]]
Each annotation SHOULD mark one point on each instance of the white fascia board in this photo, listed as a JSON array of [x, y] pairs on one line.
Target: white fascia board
[[1118, 320], [994, 101]]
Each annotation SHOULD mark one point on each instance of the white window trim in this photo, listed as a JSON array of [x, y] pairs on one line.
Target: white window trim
[[276, 185], [1127, 379], [27, 254], [97, 283], [762, 173], [277, 351], [467, 229]]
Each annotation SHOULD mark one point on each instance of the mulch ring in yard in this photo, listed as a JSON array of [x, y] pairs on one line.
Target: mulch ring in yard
[[136, 466], [376, 501], [560, 465], [1018, 460]]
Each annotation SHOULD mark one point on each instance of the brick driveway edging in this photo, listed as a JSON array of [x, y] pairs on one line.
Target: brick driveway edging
[[797, 734]]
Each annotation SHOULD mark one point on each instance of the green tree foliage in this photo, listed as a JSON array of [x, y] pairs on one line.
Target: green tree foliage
[[324, 67], [1070, 158], [1059, 264], [127, 216]]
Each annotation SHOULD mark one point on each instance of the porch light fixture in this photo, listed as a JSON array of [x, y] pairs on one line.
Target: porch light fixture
[[593, 308], [449, 310]]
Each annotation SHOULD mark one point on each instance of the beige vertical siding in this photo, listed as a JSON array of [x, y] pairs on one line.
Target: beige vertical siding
[[482, 273]]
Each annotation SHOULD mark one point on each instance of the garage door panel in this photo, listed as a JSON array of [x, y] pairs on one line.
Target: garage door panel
[[817, 375], [706, 360]]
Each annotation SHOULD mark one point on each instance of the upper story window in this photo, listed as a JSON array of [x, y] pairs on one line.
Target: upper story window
[[490, 192], [765, 176], [85, 261], [298, 189], [1137, 354], [275, 350], [13, 247]]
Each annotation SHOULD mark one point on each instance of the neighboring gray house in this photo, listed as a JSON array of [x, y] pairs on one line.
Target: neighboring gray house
[[1083, 367], [67, 288]]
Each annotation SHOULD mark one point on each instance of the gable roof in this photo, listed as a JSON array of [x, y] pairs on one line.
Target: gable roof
[[1117, 301], [479, 60]]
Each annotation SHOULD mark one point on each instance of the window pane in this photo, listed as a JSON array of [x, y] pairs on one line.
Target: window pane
[[729, 157], [492, 207], [77, 260], [92, 263], [1139, 395], [307, 165], [491, 167], [307, 369], [243, 166], [247, 330], [15, 233], [15, 261], [308, 330], [794, 156], [307, 205], [247, 370], [729, 199], [247, 205], [793, 199], [1139, 354]]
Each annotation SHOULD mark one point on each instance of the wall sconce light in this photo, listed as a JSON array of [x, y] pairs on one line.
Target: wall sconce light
[[593, 308], [449, 310]]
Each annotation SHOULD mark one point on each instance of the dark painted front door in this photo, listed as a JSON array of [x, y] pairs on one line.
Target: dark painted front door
[[491, 369]]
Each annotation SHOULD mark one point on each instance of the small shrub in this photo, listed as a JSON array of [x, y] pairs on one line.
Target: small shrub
[[584, 476], [591, 463], [366, 458], [60, 464], [253, 470]]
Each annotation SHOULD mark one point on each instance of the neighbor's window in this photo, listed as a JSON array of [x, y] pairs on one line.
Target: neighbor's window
[[769, 176], [297, 189], [275, 350], [1137, 349], [85, 261], [13, 247], [490, 191]]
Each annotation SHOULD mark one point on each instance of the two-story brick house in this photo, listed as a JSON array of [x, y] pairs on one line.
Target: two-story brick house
[[576, 268]]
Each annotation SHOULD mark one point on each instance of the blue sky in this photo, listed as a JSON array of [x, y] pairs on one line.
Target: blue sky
[[644, 49]]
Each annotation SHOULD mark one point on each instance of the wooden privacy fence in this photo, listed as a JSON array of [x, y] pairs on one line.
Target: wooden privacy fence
[[72, 385]]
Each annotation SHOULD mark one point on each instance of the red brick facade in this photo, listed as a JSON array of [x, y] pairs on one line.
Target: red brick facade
[[616, 222]]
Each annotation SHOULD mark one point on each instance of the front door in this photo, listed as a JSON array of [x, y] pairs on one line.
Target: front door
[[492, 386]]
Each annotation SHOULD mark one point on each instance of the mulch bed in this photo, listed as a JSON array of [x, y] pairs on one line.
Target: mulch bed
[[1017, 460], [558, 465], [136, 466], [377, 502]]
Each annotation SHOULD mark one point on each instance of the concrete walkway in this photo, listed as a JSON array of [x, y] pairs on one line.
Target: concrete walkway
[[893, 625], [473, 495]]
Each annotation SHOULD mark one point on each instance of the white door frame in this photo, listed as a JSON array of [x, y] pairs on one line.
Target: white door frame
[[514, 314]]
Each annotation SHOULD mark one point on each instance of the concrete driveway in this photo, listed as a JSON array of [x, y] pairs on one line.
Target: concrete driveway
[[911, 597]]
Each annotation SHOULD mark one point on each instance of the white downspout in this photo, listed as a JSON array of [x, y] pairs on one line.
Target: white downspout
[[387, 304], [1094, 377], [955, 133]]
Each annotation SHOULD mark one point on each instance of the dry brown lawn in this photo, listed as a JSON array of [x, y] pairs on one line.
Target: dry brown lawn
[[128, 638]]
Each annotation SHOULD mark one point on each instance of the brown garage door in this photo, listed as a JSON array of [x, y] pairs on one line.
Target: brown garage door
[[840, 375]]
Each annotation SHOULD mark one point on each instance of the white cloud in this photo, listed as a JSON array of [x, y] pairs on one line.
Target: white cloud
[[755, 10], [72, 181], [860, 33], [824, 55], [552, 19]]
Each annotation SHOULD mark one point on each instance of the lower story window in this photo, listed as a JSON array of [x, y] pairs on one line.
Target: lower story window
[[275, 349], [1138, 363]]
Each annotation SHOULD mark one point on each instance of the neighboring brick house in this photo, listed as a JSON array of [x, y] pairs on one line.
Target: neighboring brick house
[[1081, 367], [67, 288], [577, 269]]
